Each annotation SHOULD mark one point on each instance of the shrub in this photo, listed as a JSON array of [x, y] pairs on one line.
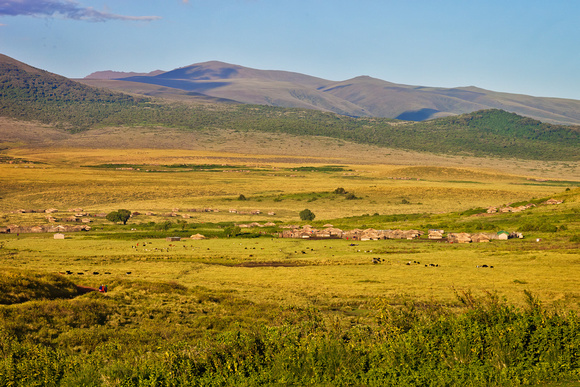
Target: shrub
[[306, 214], [232, 231]]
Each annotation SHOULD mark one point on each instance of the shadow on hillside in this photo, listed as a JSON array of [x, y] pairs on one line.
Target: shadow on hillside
[[179, 84], [417, 115]]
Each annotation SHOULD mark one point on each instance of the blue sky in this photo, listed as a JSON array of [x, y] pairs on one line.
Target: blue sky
[[528, 47]]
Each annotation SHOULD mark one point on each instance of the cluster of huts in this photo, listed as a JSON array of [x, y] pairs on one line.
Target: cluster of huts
[[177, 239], [256, 224], [176, 212], [505, 209], [480, 237], [330, 232], [292, 231], [78, 216], [15, 229], [255, 212]]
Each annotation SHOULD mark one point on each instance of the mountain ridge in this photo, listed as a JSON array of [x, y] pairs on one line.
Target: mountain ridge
[[112, 75], [361, 96], [37, 96]]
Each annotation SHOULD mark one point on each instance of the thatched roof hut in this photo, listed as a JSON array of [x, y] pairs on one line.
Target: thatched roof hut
[[461, 237], [480, 238]]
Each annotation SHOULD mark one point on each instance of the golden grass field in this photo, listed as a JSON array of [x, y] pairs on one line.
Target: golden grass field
[[329, 274]]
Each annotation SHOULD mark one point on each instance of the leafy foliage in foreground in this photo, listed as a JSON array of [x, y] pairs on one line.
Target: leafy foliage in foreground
[[164, 334], [51, 99]]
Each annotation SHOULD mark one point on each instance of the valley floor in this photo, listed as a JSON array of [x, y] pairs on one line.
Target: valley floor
[[256, 309]]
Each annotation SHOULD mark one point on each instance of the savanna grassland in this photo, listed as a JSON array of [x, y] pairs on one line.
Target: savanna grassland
[[244, 306]]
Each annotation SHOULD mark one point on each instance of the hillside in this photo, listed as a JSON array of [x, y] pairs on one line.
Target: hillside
[[360, 96], [34, 95]]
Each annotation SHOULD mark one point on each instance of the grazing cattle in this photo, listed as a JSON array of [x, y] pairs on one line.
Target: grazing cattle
[[128, 272], [95, 273]]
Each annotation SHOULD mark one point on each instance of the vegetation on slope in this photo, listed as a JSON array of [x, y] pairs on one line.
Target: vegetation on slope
[[51, 99]]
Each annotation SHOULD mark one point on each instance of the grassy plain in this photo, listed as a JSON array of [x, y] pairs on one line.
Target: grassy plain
[[331, 272], [256, 309]]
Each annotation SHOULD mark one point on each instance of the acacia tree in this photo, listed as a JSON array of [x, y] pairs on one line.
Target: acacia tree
[[306, 214], [119, 216]]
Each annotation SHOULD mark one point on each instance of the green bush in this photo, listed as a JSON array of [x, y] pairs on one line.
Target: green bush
[[306, 214]]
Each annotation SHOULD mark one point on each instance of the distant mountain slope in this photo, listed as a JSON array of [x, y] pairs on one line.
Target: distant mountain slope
[[385, 99], [108, 74], [360, 96], [246, 85], [30, 94], [151, 90]]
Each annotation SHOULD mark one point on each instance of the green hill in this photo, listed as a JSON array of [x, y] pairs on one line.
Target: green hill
[[31, 94]]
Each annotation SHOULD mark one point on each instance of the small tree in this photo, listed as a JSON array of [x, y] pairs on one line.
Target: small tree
[[340, 191], [306, 214], [242, 197], [164, 226], [232, 231], [119, 216]]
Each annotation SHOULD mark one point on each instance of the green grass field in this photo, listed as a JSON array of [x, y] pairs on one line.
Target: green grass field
[[173, 302]]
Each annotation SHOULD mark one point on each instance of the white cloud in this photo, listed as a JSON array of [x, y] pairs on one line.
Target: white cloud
[[68, 9]]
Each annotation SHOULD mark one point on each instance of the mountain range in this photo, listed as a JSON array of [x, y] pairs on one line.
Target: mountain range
[[361, 96], [65, 107]]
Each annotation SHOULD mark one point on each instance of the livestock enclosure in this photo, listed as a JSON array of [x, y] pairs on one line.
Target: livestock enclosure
[[237, 304]]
